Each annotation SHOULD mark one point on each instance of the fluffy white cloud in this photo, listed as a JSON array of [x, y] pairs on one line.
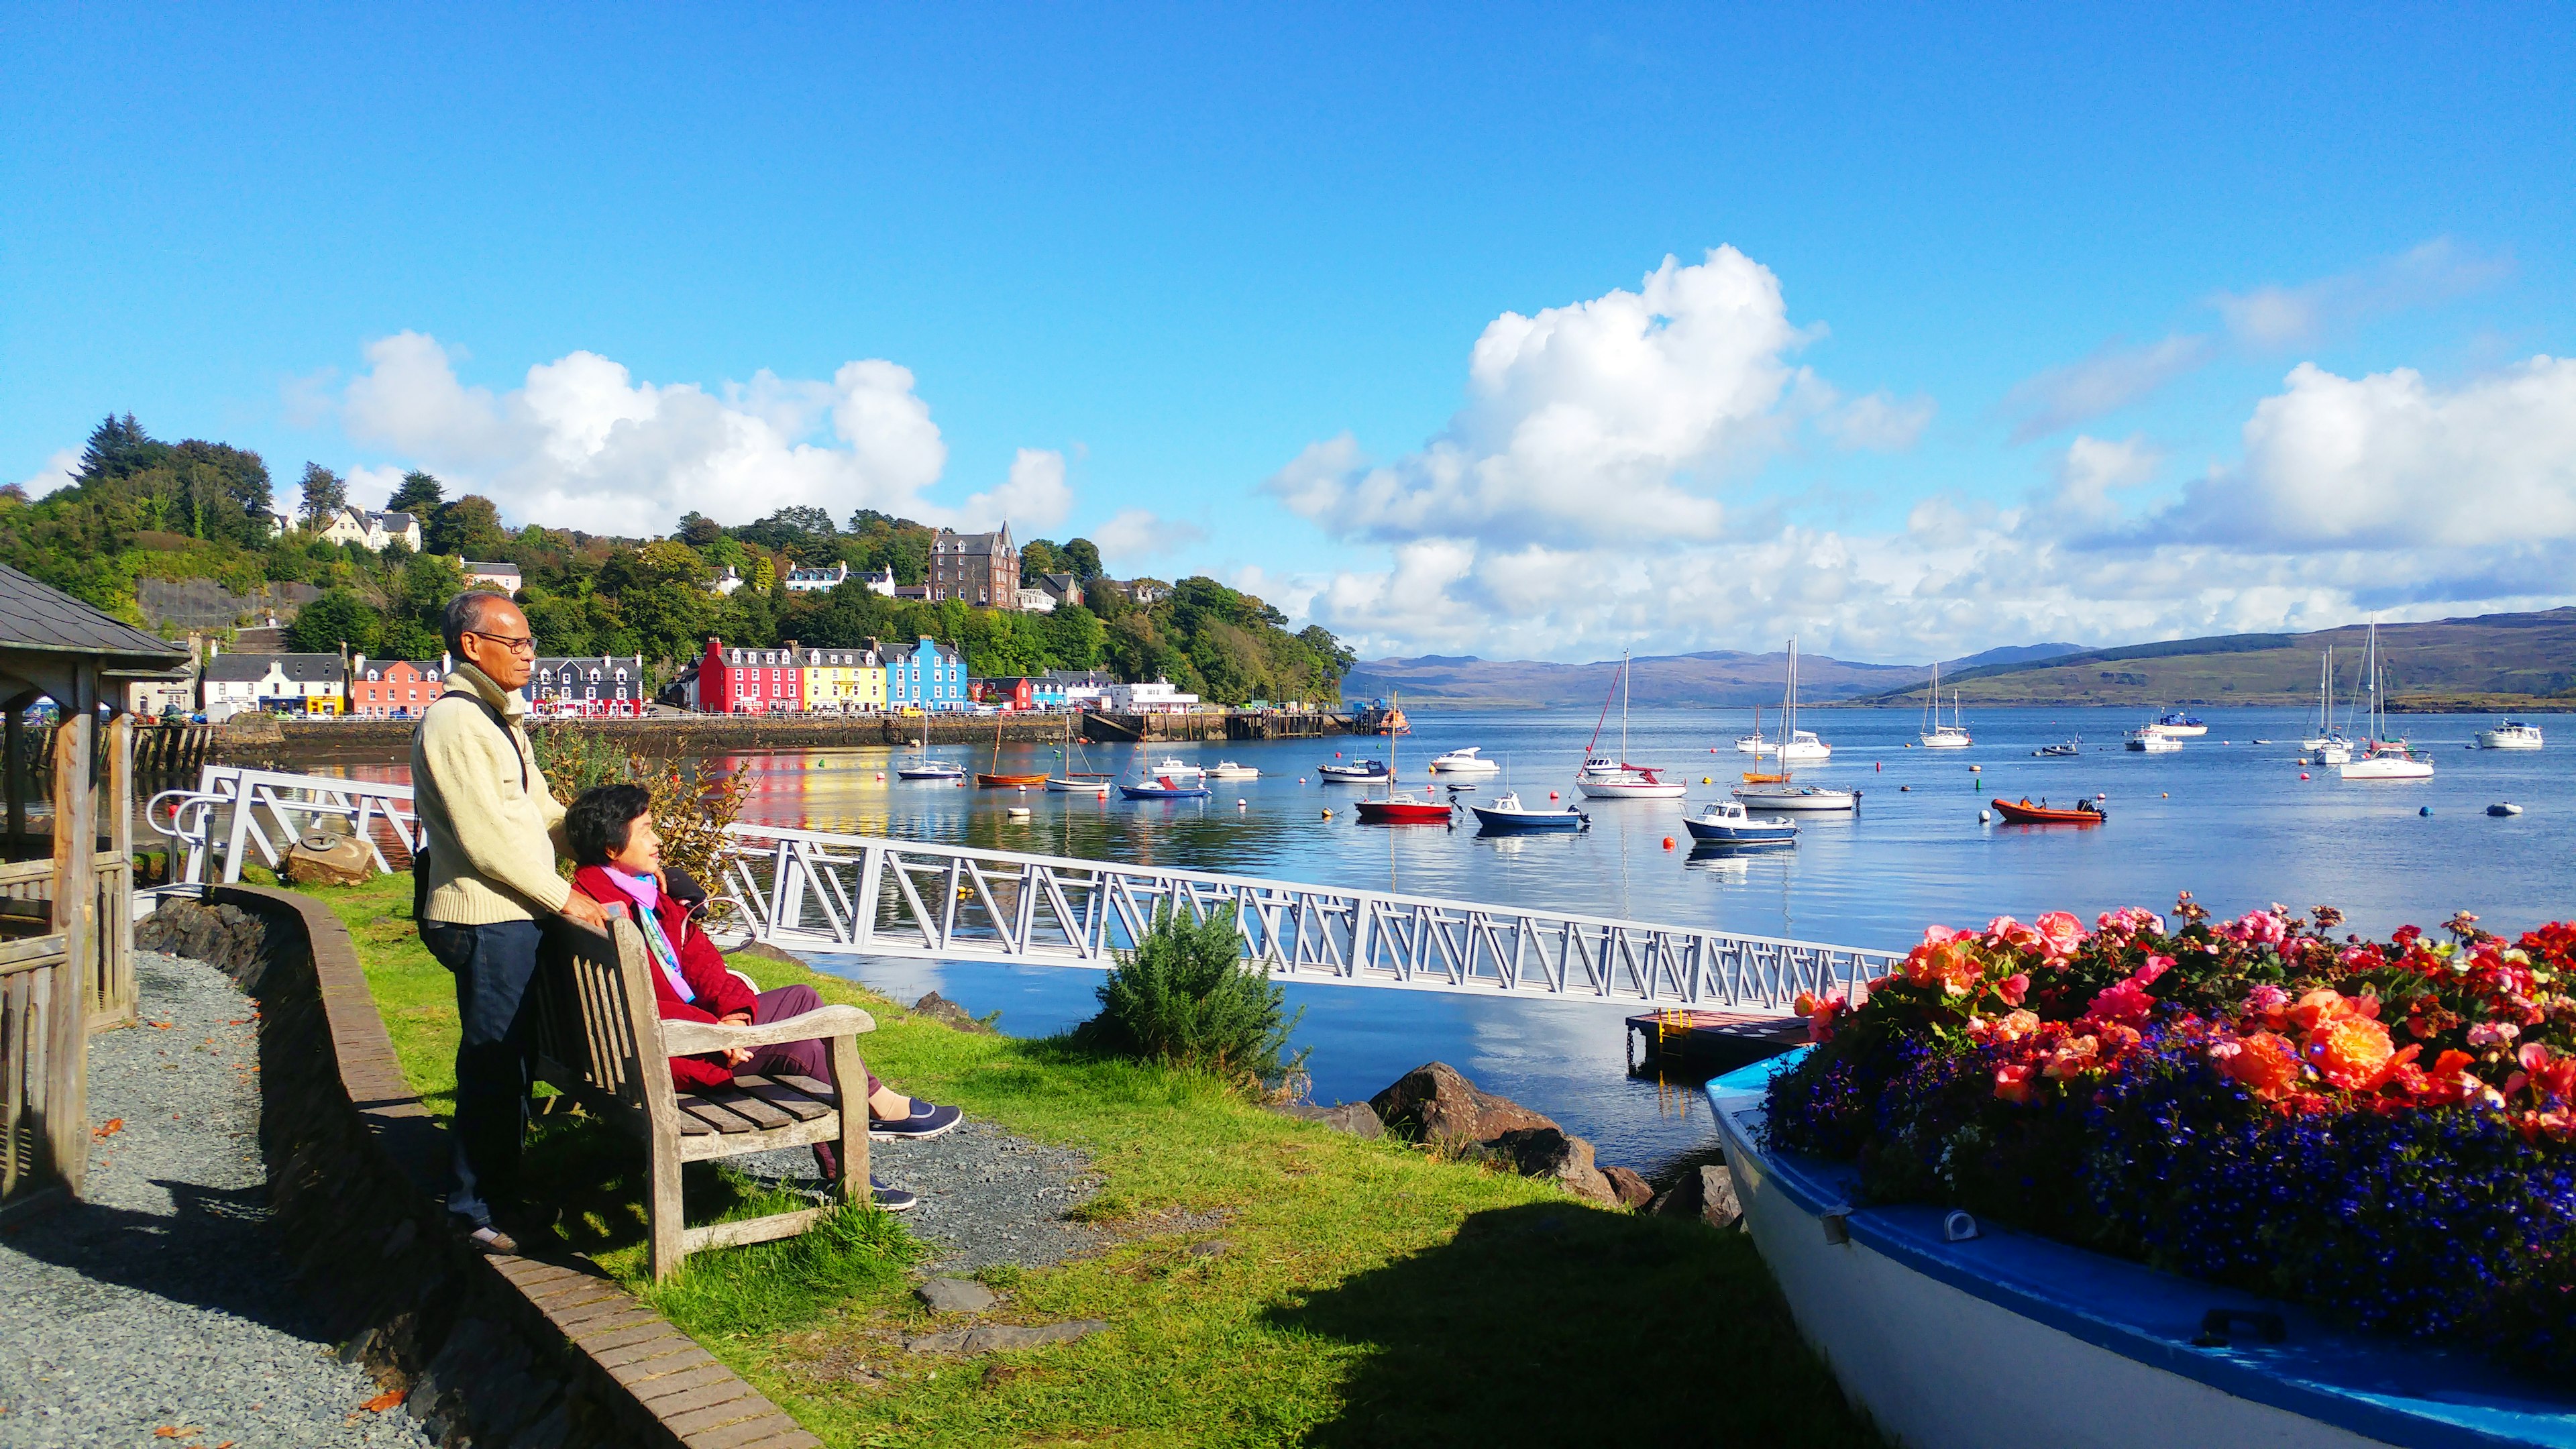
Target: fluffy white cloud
[[2384, 492], [584, 445], [57, 473], [1590, 421]]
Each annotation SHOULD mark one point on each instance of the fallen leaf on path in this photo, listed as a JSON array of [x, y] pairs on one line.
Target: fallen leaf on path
[[108, 1128], [384, 1401], [171, 1431]]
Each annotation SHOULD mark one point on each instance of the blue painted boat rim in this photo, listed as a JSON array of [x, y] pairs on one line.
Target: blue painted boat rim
[[2377, 1388]]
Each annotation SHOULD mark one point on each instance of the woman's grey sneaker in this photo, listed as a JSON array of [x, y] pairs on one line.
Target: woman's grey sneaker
[[891, 1199], [928, 1120]]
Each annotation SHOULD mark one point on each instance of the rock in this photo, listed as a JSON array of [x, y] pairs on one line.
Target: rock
[[1718, 1207], [1552, 1152], [1683, 1201], [1211, 1248], [954, 1295], [763, 951], [1434, 1104], [1357, 1118], [1631, 1190], [940, 1008], [996, 1336], [345, 861]]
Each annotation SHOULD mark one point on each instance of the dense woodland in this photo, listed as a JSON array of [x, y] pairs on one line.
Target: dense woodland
[[141, 508]]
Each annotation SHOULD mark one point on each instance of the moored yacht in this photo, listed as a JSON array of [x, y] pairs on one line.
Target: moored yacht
[[1463, 762], [2384, 758], [1605, 778], [2153, 741], [2179, 725]]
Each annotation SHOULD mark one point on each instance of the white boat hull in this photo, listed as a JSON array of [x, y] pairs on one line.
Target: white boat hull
[[1628, 790], [2500, 740], [1756, 797], [2388, 769], [1935, 1365], [1478, 767], [1234, 772], [2181, 732], [2333, 754], [1078, 787], [1946, 742], [2157, 745]]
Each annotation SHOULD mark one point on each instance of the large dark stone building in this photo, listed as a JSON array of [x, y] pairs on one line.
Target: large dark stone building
[[979, 568]]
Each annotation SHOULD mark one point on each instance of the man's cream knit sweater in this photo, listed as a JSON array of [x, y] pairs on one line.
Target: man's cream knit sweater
[[492, 843]]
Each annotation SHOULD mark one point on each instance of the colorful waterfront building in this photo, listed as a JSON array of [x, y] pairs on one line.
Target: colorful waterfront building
[[749, 681], [394, 688], [605, 686], [930, 677], [846, 681]]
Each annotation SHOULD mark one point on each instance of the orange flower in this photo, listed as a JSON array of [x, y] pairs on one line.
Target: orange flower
[[2060, 932], [2013, 1084], [2318, 1007], [2354, 1053], [2077, 1055], [2263, 1063], [2015, 1026]]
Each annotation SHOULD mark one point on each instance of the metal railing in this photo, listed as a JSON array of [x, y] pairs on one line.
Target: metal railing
[[808, 890], [815, 891]]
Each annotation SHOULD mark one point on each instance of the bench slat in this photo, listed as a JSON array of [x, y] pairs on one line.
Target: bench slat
[[746, 1105], [713, 1114], [822, 1092], [794, 1101]]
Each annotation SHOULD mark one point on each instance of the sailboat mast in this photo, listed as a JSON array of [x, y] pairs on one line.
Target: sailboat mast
[[1623, 706]]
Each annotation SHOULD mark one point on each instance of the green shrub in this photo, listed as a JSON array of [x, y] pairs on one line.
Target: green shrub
[[1183, 996]]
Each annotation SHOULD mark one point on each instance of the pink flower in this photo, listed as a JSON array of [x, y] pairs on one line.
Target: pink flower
[[1938, 935], [2014, 988], [2012, 1083], [2155, 966], [2266, 1000], [2125, 1000], [2060, 932], [2011, 932], [2493, 1033]]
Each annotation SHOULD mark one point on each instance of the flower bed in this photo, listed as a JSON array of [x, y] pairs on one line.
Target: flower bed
[[2386, 1130]]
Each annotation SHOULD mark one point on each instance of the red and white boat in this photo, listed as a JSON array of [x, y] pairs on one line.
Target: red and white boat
[[1404, 809], [1604, 778]]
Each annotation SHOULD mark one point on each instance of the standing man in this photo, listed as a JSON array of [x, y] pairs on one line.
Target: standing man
[[491, 828]]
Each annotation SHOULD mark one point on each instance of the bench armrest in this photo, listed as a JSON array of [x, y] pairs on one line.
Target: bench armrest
[[693, 1038]]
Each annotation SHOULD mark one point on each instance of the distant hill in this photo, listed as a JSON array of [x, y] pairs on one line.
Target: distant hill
[[2512, 656], [1716, 677]]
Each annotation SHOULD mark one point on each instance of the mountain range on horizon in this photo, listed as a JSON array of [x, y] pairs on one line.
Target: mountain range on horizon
[[2527, 656]]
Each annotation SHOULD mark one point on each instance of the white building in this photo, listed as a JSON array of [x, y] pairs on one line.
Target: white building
[[1153, 697], [1037, 601], [728, 581], [502, 576], [149, 699], [307, 684], [881, 582], [818, 581], [373, 530]]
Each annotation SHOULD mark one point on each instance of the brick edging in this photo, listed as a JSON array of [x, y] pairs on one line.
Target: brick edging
[[359, 1200]]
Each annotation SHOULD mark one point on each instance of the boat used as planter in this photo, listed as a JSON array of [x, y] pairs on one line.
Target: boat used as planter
[[1950, 1332], [2022, 812]]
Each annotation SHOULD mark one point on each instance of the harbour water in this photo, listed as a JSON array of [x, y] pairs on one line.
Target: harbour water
[[2225, 818]]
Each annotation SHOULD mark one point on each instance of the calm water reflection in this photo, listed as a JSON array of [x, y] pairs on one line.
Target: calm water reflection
[[2227, 819]]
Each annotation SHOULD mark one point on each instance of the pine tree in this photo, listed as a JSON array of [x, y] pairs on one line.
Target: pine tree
[[419, 496], [117, 447]]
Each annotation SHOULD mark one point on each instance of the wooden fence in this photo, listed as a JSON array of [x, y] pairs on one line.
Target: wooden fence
[[31, 974]]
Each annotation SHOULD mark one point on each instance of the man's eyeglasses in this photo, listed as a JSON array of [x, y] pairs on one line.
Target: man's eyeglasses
[[520, 645]]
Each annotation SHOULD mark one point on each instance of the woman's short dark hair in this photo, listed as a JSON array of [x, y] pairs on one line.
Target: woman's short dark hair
[[598, 823]]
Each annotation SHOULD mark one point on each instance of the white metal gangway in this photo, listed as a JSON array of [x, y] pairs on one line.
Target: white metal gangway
[[811, 891], [814, 891]]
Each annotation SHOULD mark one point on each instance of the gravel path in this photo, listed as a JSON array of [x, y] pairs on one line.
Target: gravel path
[[159, 1303], [987, 1197]]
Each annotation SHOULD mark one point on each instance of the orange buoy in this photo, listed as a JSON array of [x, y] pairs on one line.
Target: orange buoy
[[1551, 794], [1668, 842]]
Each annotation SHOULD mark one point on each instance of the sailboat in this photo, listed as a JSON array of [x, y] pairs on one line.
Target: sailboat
[[1603, 778], [995, 778], [1073, 781], [2329, 747], [1780, 792], [923, 767], [2386, 759], [1407, 808], [1936, 735]]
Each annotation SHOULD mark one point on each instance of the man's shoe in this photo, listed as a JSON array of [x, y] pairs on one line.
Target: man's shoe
[[485, 1238], [891, 1199], [928, 1120]]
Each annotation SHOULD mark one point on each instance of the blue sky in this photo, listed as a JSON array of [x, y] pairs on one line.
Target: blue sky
[[2003, 348]]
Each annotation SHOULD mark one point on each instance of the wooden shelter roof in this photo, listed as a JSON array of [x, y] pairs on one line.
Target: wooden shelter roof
[[38, 617]]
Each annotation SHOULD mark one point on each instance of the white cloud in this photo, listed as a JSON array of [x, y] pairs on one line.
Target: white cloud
[[58, 472], [2112, 378], [2272, 318], [1593, 420], [2352, 495], [1879, 421], [370, 487], [584, 445], [1135, 533]]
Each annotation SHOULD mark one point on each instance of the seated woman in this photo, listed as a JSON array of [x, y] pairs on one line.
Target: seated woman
[[610, 829]]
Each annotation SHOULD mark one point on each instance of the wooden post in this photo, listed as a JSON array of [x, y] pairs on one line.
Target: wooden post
[[76, 917], [13, 774], [115, 1002]]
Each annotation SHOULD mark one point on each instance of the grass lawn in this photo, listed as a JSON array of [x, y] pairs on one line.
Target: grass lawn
[[1370, 1294]]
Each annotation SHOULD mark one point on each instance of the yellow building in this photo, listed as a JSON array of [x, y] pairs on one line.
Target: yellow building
[[845, 681]]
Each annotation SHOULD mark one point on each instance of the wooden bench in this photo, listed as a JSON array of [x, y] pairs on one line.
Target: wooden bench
[[601, 1040]]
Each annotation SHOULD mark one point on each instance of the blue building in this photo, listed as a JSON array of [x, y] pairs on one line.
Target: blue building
[[930, 677]]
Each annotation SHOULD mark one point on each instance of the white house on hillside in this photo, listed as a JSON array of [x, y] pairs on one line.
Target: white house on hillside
[[375, 530]]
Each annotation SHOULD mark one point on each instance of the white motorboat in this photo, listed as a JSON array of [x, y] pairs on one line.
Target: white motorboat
[[1173, 769], [1464, 762], [1508, 816], [1604, 778], [1229, 770], [2384, 758], [2179, 725], [2333, 751], [2152, 741], [2511, 735], [1725, 822], [1936, 735]]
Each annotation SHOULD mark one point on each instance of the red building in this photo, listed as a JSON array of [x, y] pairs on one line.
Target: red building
[[749, 681], [1004, 693], [394, 688]]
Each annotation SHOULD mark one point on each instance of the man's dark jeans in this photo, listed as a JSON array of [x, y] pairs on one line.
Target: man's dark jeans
[[494, 1060]]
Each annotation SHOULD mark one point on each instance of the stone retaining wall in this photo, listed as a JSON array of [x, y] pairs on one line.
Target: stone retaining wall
[[494, 1351]]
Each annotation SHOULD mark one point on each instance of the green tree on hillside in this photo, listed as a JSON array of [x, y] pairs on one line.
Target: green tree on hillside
[[1082, 559], [419, 496], [336, 619], [470, 527], [324, 493]]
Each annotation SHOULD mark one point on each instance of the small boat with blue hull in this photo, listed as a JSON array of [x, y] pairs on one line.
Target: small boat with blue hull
[[1357, 772], [1508, 816], [1726, 822], [1163, 789], [930, 770], [1942, 1328]]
